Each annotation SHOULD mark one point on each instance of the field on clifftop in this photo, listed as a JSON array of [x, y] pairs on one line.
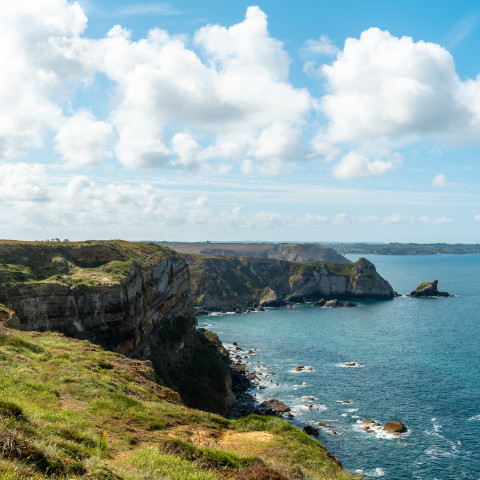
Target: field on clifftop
[[70, 410]]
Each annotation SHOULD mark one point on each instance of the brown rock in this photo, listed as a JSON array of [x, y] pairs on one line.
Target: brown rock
[[395, 426]]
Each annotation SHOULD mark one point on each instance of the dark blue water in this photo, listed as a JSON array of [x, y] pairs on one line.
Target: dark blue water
[[420, 364]]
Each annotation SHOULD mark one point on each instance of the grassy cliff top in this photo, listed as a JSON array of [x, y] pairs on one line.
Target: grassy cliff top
[[70, 410], [75, 264], [302, 252]]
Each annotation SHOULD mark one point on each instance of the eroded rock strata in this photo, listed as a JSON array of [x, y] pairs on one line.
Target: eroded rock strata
[[132, 298], [228, 283]]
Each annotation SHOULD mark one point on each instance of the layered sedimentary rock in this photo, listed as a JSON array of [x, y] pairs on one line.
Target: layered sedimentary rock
[[132, 298], [113, 294], [230, 282]]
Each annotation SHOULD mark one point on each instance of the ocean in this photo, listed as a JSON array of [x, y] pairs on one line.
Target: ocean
[[417, 360]]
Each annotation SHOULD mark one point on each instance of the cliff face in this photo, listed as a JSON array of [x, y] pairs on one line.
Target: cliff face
[[230, 282], [296, 252], [120, 312], [132, 298]]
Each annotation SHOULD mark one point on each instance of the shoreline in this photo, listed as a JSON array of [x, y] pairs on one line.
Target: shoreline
[[243, 384]]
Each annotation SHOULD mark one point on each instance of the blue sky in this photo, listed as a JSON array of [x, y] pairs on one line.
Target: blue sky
[[275, 121]]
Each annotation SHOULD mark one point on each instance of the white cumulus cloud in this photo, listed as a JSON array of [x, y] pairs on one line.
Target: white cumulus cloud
[[84, 141], [355, 165]]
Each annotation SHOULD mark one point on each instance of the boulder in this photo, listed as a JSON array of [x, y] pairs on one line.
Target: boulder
[[320, 303], [289, 305], [395, 426], [275, 407], [259, 309], [309, 430], [349, 304], [333, 304], [299, 368]]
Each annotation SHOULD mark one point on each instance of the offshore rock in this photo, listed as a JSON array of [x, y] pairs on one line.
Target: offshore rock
[[428, 289]]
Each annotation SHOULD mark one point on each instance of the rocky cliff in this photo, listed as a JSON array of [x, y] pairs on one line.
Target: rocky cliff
[[296, 252], [231, 282], [132, 298]]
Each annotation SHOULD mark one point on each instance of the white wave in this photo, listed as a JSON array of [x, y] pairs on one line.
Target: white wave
[[475, 418], [351, 410], [205, 325], [344, 365], [438, 452], [305, 369], [376, 472], [311, 407]]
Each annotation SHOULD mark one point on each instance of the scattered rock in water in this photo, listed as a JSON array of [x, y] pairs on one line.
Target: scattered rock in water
[[308, 399], [333, 304], [320, 303], [299, 368], [289, 305], [428, 289], [275, 407], [251, 351], [346, 402], [259, 309], [395, 427], [328, 427], [367, 421], [200, 313], [350, 364], [309, 430], [234, 344], [350, 304]]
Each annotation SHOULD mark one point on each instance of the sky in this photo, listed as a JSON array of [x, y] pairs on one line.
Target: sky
[[311, 121]]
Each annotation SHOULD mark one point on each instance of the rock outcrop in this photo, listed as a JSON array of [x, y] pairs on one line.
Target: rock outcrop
[[132, 298], [428, 289], [231, 282]]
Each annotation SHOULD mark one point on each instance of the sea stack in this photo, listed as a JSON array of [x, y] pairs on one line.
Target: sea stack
[[428, 289]]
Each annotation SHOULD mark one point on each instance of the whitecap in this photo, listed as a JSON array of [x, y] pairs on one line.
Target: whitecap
[[351, 410], [344, 365], [475, 418], [305, 369], [376, 472]]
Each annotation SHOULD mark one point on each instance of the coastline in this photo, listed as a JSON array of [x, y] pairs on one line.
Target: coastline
[[244, 382]]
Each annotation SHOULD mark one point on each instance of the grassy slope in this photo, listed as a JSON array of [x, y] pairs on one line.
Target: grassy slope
[[285, 251], [76, 264], [69, 409]]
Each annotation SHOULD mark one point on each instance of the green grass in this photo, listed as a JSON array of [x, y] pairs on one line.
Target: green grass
[[78, 265], [70, 410]]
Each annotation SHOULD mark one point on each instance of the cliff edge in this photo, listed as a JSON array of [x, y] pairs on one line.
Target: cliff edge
[[131, 298]]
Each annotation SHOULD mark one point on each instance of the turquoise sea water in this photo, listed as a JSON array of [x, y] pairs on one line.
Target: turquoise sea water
[[420, 364]]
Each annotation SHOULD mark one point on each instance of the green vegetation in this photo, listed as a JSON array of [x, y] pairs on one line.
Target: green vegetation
[[70, 410], [78, 265], [406, 248], [233, 280], [298, 252]]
